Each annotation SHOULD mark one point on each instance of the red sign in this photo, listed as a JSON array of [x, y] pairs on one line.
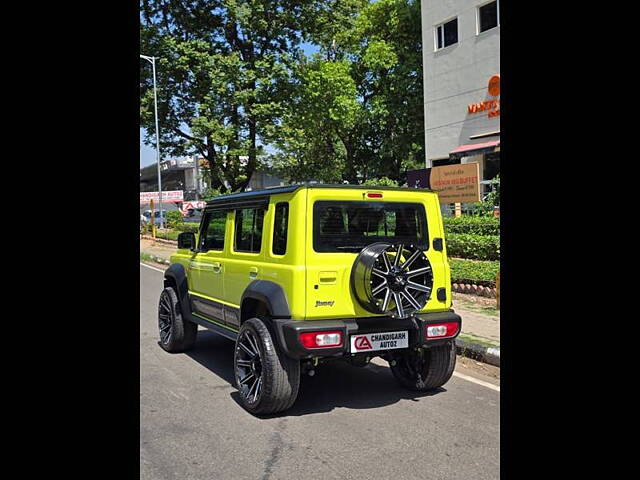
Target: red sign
[[363, 343], [169, 196]]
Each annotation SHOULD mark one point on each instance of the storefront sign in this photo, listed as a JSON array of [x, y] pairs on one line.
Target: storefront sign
[[490, 106], [167, 197], [456, 183]]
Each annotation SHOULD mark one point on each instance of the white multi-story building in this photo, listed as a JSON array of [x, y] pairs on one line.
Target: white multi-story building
[[461, 55]]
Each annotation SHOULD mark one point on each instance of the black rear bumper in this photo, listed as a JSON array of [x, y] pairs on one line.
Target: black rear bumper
[[288, 332]]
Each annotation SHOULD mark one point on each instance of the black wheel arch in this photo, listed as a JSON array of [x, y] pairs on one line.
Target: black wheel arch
[[267, 293], [176, 277]]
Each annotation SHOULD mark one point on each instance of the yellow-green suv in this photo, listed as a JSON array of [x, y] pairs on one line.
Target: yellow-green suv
[[304, 274]]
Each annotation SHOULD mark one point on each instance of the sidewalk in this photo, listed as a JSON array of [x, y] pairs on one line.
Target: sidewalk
[[480, 336]]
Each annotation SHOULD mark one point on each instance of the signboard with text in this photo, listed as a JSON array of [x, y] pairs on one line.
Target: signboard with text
[[167, 197], [456, 183]]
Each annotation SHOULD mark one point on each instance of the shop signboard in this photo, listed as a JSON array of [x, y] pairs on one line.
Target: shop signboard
[[169, 196], [456, 183]]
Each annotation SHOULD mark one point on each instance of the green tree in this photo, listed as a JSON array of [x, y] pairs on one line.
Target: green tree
[[357, 107], [222, 64]]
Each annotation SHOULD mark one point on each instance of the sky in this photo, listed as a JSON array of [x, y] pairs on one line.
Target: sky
[[148, 154]]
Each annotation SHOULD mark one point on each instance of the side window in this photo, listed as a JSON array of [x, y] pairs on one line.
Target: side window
[[280, 227], [212, 237], [249, 230]]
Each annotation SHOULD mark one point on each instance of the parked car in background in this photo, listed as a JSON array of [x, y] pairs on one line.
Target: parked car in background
[[147, 216]]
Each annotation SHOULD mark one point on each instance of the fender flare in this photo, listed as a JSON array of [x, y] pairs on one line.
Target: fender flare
[[271, 294], [177, 276]]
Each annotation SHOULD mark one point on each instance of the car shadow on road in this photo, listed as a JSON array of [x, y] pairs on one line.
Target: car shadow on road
[[335, 385]]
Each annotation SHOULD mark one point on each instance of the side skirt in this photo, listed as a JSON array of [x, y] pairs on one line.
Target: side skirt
[[210, 325]]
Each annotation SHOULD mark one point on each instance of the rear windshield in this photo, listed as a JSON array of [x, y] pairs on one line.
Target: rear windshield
[[351, 226]]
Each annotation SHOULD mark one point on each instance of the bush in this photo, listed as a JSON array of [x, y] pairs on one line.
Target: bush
[[187, 227], [470, 271], [478, 247], [174, 218], [472, 225], [168, 235]]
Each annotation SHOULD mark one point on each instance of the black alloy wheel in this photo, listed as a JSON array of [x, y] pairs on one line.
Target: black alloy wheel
[[176, 333], [267, 379], [392, 279], [248, 367]]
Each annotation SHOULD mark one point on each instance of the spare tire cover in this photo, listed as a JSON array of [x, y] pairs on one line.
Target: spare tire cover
[[392, 279]]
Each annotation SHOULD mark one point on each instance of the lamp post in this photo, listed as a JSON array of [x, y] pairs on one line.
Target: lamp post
[[152, 60]]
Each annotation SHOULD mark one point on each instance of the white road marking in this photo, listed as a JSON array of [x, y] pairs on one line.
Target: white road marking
[[475, 380], [152, 268]]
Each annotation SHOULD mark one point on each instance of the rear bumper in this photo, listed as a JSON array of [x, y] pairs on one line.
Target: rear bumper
[[288, 332]]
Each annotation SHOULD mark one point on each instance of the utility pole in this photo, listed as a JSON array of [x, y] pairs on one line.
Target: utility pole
[[152, 60]]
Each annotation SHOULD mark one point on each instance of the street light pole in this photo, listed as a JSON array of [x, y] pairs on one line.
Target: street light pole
[[152, 60]]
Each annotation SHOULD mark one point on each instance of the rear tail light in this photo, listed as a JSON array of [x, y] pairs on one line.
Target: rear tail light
[[321, 339], [442, 330]]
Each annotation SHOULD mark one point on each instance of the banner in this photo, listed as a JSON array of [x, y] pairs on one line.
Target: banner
[[456, 183], [170, 196]]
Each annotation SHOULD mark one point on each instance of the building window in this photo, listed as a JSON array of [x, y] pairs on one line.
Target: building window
[[488, 16], [249, 229], [280, 225], [447, 34]]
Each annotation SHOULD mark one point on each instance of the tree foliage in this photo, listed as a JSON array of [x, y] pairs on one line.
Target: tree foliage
[[233, 79]]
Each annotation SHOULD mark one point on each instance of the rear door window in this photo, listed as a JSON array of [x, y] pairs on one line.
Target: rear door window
[[249, 230], [352, 225]]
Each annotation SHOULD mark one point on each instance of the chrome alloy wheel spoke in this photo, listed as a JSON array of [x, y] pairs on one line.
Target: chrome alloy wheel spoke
[[411, 299], [253, 385], [379, 288], [243, 363], [257, 392], [254, 344], [398, 255], [417, 286], [419, 271], [387, 263], [411, 259], [379, 273], [246, 378], [246, 349], [385, 302], [399, 306]]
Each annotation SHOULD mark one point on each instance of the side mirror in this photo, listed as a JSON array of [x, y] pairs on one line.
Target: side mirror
[[187, 240]]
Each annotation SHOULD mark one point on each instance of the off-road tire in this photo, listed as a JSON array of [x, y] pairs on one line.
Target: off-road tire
[[280, 374], [436, 367], [182, 332]]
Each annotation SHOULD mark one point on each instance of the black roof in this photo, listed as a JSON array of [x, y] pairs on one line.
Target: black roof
[[232, 197]]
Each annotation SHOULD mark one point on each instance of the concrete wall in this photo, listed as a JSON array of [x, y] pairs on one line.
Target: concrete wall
[[456, 76]]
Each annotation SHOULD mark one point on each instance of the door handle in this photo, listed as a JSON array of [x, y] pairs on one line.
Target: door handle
[[253, 272], [217, 266]]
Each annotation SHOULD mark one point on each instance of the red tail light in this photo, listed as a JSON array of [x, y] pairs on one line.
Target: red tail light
[[321, 339], [374, 195], [442, 330]]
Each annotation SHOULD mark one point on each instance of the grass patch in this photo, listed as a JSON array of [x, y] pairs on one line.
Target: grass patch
[[485, 342]]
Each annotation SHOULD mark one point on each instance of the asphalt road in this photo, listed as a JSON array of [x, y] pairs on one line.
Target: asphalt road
[[347, 423]]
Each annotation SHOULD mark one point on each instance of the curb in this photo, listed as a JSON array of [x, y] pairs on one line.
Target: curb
[[476, 351], [153, 258], [474, 289], [161, 240]]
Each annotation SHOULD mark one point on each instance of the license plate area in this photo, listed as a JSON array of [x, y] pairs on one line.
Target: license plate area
[[371, 342]]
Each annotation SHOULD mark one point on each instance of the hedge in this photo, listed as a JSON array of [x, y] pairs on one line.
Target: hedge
[[188, 227], [478, 247], [470, 271], [472, 225]]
